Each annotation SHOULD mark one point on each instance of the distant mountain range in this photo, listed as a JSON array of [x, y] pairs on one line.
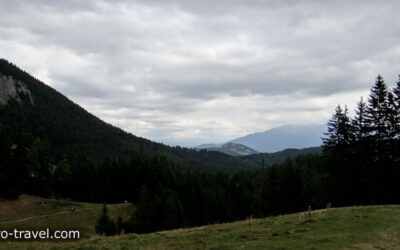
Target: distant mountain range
[[272, 140], [280, 138], [253, 158]]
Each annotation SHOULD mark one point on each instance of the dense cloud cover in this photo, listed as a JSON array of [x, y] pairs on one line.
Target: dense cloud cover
[[198, 71]]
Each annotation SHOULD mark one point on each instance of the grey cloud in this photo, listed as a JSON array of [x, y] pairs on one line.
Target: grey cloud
[[69, 5], [78, 87], [170, 66]]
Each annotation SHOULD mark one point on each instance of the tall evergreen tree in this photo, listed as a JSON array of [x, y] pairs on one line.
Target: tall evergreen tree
[[259, 205], [395, 106], [359, 122], [377, 111], [40, 168], [145, 217], [173, 211], [272, 192], [378, 122], [104, 225], [338, 154], [392, 115], [360, 157], [339, 130]]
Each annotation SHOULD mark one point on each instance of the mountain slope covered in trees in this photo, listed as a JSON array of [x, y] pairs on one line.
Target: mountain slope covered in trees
[[70, 130], [279, 157]]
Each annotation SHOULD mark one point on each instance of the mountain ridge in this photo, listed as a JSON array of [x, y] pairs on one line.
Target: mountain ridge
[[283, 137], [72, 131]]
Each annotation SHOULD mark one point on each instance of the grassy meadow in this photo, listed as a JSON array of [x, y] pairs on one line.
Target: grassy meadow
[[364, 227], [31, 212]]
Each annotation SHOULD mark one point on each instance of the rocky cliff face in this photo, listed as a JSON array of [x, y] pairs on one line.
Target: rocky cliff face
[[11, 89]]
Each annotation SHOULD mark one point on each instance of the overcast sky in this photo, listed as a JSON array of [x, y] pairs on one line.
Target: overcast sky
[[190, 71]]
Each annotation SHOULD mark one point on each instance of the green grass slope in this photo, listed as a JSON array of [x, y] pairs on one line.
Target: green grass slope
[[35, 213], [371, 227]]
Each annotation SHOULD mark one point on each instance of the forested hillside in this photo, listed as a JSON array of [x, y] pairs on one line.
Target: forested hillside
[[269, 159], [71, 132]]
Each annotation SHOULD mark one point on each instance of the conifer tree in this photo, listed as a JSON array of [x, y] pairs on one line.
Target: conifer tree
[[144, 218], [361, 156], [339, 130], [104, 225], [39, 168], [261, 192], [377, 111], [395, 106], [337, 150], [359, 122], [173, 211], [272, 194]]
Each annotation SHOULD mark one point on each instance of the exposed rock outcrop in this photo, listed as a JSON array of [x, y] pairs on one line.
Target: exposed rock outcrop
[[10, 89]]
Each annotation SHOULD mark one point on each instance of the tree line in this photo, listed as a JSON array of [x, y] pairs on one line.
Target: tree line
[[363, 152]]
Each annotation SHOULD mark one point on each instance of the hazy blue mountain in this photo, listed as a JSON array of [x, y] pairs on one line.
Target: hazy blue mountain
[[280, 138], [230, 148]]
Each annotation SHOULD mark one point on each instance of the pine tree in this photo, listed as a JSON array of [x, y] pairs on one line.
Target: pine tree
[[379, 119], [377, 111], [144, 218], [396, 122], [337, 149], [291, 187], [395, 106], [272, 192], [339, 130], [361, 156], [104, 225], [261, 191], [39, 168], [173, 211], [359, 122]]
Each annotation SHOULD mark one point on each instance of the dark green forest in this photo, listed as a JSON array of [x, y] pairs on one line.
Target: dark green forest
[[54, 148]]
